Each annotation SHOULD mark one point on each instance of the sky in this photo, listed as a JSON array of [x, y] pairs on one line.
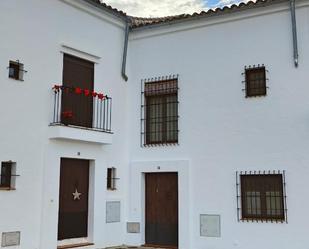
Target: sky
[[158, 8]]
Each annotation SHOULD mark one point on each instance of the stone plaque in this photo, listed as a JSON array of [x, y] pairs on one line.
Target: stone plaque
[[112, 211], [210, 225], [10, 239], [133, 227]]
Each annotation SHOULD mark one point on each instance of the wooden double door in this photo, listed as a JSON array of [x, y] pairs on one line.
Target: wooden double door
[[162, 209], [73, 199]]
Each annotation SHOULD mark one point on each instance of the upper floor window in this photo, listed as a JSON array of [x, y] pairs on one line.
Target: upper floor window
[[160, 114], [262, 197], [6, 174], [16, 70], [255, 81]]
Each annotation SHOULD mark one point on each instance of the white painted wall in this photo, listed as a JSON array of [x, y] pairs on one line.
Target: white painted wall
[[33, 32], [221, 131]]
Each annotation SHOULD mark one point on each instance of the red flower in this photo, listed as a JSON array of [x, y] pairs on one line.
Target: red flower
[[94, 94], [86, 92], [78, 90], [100, 95]]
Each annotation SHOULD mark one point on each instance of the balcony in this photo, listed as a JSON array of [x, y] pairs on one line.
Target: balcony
[[81, 114]]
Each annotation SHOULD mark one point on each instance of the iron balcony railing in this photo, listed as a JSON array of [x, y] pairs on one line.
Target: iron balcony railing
[[81, 108]]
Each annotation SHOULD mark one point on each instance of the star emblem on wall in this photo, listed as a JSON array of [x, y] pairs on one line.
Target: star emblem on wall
[[76, 195]]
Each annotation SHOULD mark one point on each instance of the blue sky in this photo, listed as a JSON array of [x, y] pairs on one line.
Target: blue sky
[[157, 8]]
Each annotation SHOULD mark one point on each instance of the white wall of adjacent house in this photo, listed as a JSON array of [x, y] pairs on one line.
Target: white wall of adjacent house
[[222, 131], [38, 33]]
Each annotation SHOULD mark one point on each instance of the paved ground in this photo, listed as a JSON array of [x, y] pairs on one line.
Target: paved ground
[[131, 247]]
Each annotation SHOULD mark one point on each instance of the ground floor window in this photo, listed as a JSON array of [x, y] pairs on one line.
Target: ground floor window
[[261, 196]]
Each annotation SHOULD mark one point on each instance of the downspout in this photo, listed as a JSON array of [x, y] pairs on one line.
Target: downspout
[[125, 51], [294, 30]]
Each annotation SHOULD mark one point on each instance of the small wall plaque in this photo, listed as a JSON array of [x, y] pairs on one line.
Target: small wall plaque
[[210, 225], [112, 211], [10, 239], [133, 227]]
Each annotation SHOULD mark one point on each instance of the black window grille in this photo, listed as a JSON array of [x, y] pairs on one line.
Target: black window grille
[[6, 174], [255, 79], [261, 196], [16, 70], [159, 122], [111, 178]]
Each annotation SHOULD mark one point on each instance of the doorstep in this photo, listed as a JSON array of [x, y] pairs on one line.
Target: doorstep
[[76, 246]]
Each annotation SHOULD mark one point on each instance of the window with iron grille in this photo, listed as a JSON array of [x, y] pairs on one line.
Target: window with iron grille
[[261, 196], [160, 111], [255, 81], [16, 70], [6, 175], [111, 178]]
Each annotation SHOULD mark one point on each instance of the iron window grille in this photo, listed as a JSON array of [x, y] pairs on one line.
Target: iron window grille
[[159, 111], [7, 176], [111, 179], [16, 70], [255, 80], [261, 196]]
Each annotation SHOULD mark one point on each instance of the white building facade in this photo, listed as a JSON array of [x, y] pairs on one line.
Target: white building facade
[[203, 146]]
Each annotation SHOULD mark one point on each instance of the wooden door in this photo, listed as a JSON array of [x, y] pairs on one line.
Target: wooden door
[[73, 199], [162, 209], [77, 73]]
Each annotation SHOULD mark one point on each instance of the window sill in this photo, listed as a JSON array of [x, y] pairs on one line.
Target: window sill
[[7, 188], [271, 220]]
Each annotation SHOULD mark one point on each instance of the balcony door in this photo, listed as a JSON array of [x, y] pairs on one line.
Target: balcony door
[[76, 106]]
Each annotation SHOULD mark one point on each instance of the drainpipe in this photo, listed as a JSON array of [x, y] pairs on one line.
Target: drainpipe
[[294, 30], [125, 51]]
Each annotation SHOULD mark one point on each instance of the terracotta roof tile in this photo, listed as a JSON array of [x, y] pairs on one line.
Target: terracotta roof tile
[[137, 22]]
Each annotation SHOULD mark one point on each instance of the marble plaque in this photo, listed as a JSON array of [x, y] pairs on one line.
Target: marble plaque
[[133, 227], [10, 239]]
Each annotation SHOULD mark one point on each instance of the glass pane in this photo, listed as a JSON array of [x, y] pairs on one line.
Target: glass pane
[[171, 118], [274, 203], [155, 119], [253, 201]]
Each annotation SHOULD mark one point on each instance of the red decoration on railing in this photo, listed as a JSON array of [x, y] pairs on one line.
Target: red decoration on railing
[[78, 90], [100, 95], [86, 92]]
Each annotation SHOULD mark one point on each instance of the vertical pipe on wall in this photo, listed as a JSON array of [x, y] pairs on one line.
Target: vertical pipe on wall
[[294, 30], [125, 50]]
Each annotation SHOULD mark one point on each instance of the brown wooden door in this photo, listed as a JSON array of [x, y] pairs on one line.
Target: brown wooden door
[[77, 73], [73, 199], [162, 209]]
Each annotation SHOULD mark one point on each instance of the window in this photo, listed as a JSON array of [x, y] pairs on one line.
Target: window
[[255, 81], [262, 197], [160, 114], [6, 174], [111, 178], [16, 70]]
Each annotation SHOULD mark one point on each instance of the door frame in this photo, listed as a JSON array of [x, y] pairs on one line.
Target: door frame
[[137, 196], [89, 238]]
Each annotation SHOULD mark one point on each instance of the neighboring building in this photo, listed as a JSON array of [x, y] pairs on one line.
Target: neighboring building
[[189, 131]]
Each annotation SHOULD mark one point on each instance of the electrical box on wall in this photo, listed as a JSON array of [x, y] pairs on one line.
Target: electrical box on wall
[[10, 239], [112, 211], [210, 225]]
